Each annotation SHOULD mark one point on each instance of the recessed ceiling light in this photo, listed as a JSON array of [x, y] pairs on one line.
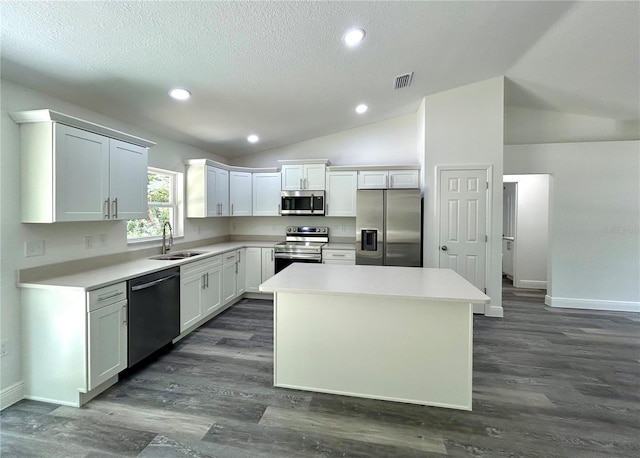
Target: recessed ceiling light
[[180, 93], [253, 138], [353, 37], [362, 108]]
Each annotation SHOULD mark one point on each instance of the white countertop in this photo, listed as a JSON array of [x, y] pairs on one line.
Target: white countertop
[[405, 282], [97, 278]]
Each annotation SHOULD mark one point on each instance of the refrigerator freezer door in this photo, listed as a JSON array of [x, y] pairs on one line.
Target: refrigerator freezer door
[[370, 227], [403, 228]]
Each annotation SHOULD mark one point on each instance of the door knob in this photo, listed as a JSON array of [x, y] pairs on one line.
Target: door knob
[[444, 248]]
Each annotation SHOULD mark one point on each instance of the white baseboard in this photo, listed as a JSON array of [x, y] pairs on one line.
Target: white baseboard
[[11, 394], [533, 284], [592, 304], [494, 311]]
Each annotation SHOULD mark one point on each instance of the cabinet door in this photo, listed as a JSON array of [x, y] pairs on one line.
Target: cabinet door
[[268, 263], [404, 179], [228, 282], [213, 205], [127, 180], [240, 193], [342, 188], [107, 342], [253, 269], [373, 179], [222, 191], [190, 299], [212, 292], [292, 176], [314, 177], [241, 272], [266, 194], [81, 175]]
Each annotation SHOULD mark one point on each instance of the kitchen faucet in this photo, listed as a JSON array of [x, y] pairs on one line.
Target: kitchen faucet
[[166, 247]]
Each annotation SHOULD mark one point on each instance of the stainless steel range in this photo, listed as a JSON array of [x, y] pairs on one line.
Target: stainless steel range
[[302, 244]]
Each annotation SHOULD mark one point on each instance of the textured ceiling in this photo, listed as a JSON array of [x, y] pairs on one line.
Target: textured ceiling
[[279, 69]]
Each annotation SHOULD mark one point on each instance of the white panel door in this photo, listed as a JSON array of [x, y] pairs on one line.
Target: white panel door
[[222, 191], [268, 264], [266, 194], [314, 177], [342, 188], [81, 175], [240, 193], [463, 218], [107, 342], [292, 177], [253, 266], [213, 204], [128, 180]]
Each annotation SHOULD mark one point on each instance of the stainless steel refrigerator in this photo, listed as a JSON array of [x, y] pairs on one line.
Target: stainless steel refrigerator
[[389, 227]]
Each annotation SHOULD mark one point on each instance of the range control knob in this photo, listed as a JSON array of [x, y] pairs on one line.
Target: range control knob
[[288, 229]]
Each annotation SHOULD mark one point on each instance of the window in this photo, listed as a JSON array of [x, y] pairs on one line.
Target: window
[[165, 201]]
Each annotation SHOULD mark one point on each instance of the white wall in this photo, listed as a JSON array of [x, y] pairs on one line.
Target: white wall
[[390, 142], [465, 126], [524, 126], [532, 226], [63, 241], [594, 233]]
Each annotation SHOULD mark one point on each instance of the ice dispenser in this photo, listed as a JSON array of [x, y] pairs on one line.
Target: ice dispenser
[[369, 240]]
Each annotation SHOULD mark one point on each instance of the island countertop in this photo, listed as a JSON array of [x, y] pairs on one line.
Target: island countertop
[[402, 282]]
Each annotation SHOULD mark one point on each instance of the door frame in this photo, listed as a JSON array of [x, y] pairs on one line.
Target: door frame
[[488, 168]]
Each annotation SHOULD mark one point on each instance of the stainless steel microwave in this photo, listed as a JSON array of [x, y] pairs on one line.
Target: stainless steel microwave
[[302, 203]]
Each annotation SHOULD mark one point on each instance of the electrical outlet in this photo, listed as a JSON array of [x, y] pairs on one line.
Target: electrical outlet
[[89, 242], [34, 248], [103, 240], [4, 348]]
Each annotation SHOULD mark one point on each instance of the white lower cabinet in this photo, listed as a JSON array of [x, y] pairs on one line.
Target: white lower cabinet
[[259, 267], [74, 342], [200, 290], [241, 272], [339, 257], [229, 280], [107, 342]]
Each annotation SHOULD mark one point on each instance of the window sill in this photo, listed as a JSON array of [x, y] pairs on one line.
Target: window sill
[[150, 240]]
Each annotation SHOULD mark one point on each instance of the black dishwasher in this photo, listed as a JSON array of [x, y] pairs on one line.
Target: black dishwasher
[[154, 313]]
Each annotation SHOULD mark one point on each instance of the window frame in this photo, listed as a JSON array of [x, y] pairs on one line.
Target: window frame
[[176, 195]]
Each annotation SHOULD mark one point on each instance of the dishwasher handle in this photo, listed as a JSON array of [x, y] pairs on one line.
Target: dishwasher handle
[[153, 283]]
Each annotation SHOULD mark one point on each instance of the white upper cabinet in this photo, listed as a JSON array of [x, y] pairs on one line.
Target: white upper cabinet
[[266, 194], [297, 177], [404, 179], [73, 174], [207, 191], [388, 179], [240, 184], [342, 188]]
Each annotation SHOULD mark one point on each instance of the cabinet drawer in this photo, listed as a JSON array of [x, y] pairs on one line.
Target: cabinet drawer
[[106, 296], [338, 255], [229, 258], [199, 266]]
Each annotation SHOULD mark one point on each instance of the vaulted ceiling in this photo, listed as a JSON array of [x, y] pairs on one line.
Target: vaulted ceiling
[[281, 70]]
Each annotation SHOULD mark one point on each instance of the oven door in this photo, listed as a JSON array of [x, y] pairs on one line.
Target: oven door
[[286, 259]]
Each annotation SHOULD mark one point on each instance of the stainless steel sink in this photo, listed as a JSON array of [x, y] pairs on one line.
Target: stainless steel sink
[[177, 256]]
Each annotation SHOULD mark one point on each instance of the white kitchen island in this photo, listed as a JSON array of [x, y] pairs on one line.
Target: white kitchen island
[[395, 333]]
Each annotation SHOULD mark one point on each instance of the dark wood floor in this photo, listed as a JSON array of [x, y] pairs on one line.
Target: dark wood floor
[[547, 383]]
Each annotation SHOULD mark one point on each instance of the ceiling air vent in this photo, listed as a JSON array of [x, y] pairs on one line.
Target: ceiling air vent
[[403, 80]]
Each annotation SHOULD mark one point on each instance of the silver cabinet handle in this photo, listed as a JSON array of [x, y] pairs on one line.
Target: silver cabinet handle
[[124, 314], [107, 207], [104, 298], [279, 211], [232, 209], [272, 255], [115, 208], [207, 279], [338, 255], [391, 181], [202, 284], [301, 185], [230, 256], [386, 181], [237, 267]]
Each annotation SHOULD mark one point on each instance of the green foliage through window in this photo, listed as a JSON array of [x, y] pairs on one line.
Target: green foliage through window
[[162, 207]]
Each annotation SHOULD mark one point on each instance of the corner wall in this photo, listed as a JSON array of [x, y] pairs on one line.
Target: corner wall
[[465, 126], [594, 232]]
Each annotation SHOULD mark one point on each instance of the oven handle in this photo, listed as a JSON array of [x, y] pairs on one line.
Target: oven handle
[[297, 256]]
